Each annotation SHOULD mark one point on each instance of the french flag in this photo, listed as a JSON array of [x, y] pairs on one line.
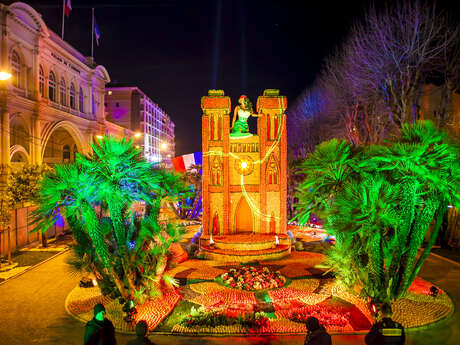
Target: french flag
[[184, 162], [67, 8], [96, 32]]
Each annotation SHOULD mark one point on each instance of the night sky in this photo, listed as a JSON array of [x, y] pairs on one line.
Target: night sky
[[168, 48]]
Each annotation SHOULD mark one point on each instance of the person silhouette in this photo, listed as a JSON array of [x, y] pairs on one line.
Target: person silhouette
[[99, 330], [141, 335], [386, 331]]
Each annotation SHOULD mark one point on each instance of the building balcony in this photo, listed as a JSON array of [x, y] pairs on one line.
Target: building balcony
[[69, 110]]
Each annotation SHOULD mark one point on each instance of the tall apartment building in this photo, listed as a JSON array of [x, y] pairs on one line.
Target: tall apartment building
[[130, 107], [168, 145]]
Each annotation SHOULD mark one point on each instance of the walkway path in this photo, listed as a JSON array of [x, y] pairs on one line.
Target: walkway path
[[32, 311]]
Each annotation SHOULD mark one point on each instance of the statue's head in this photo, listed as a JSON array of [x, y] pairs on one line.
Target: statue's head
[[245, 102]]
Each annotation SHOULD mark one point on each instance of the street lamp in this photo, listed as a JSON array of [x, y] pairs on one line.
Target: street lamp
[[5, 75], [137, 135], [100, 137]]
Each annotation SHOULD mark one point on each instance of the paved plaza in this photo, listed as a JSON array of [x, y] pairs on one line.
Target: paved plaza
[[32, 311]]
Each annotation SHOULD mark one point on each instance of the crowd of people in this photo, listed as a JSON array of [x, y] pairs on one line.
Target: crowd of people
[[100, 331]]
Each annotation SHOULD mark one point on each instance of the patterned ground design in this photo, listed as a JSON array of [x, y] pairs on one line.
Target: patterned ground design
[[307, 292]]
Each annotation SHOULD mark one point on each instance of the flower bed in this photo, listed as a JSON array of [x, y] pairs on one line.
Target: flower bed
[[202, 317], [228, 297], [155, 310], [328, 316], [252, 278]]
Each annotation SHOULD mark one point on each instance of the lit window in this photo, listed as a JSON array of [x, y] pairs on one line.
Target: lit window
[[72, 96], [52, 87], [16, 69], [62, 94], [80, 101], [41, 81]]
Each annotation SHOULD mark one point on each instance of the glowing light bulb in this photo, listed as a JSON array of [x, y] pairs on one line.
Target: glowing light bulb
[[244, 165], [5, 75], [99, 137], [137, 135]]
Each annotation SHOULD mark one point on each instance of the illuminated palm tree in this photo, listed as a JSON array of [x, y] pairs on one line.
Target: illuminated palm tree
[[379, 201], [98, 194]]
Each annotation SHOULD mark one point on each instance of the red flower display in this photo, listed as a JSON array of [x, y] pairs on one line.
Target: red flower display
[[252, 278], [329, 317]]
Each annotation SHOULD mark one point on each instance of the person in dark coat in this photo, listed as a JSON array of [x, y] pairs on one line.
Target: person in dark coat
[[316, 333], [99, 330], [386, 331], [141, 335]]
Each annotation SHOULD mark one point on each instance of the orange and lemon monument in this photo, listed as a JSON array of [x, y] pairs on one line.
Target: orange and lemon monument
[[244, 178]]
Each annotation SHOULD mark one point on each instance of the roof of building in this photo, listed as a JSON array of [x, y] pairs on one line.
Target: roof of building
[[33, 21]]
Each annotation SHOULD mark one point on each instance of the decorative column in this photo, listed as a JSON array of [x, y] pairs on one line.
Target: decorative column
[[262, 132], [35, 147], [4, 116], [5, 141], [215, 145], [273, 142]]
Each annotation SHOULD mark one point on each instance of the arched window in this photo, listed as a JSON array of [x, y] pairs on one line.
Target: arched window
[[72, 96], [80, 101], [62, 95], [66, 154], [52, 87], [41, 81], [16, 69]]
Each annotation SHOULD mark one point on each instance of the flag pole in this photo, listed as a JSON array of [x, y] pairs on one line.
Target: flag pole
[[63, 13], [92, 36]]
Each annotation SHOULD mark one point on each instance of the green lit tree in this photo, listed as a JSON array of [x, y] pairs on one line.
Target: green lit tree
[[24, 183], [379, 202], [111, 200]]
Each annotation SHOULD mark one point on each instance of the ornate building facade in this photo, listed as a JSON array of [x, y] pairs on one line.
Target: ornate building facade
[[52, 107], [130, 107]]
